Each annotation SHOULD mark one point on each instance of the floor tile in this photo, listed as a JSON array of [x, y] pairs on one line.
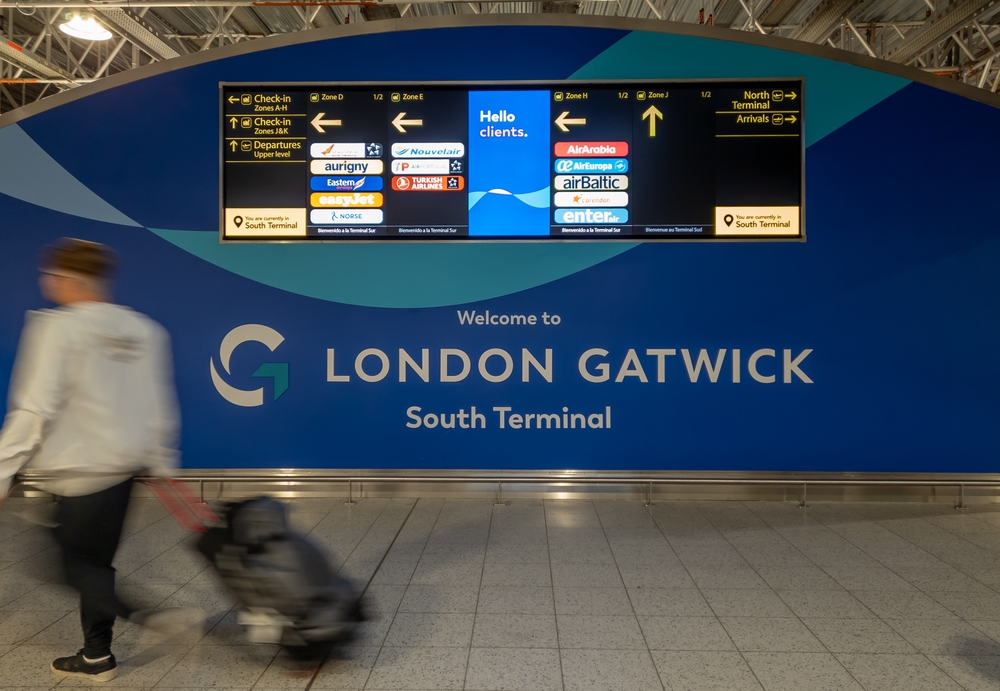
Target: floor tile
[[18, 627], [858, 636], [600, 632], [902, 605], [746, 603], [220, 666], [419, 668], [514, 669], [797, 578], [516, 574], [586, 576], [592, 601], [346, 668], [372, 631], [972, 673], [646, 576], [990, 627], [892, 672], [825, 604], [445, 573], [384, 598], [790, 671], [685, 633], [950, 637], [782, 635], [867, 578], [970, 605], [437, 630], [505, 600], [28, 665], [942, 579], [45, 598], [740, 577], [704, 671], [663, 602], [515, 631], [440, 598], [604, 670]]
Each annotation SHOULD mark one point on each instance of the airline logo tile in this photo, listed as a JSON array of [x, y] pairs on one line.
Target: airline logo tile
[[346, 167], [347, 183], [338, 150], [429, 150], [346, 216], [373, 199], [424, 166], [591, 165], [591, 216], [591, 198], [592, 182], [428, 183], [609, 149]]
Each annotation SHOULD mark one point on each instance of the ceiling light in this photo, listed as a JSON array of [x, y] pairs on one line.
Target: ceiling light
[[82, 25]]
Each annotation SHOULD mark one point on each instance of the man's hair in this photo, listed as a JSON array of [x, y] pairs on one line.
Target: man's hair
[[91, 259]]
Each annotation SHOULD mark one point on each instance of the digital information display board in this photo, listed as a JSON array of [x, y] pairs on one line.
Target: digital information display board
[[512, 161]]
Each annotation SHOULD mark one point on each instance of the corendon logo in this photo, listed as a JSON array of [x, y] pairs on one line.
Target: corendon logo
[[278, 371]]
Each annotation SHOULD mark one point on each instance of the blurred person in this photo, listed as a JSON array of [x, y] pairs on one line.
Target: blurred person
[[91, 405]]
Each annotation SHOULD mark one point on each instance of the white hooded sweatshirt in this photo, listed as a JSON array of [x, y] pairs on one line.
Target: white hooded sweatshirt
[[92, 400]]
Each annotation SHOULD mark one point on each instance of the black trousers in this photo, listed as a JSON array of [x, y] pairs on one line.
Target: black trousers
[[89, 529]]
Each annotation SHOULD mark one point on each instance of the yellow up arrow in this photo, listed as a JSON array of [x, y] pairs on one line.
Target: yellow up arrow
[[563, 120], [652, 113], [233, 121], [233, 144]]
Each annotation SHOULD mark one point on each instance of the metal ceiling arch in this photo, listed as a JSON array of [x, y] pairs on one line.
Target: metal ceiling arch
[[552, 19], [955, 40]]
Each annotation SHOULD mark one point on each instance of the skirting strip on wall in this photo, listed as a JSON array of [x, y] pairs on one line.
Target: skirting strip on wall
[[959, 490]]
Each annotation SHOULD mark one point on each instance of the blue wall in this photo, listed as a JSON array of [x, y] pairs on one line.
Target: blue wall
[[896, 291]]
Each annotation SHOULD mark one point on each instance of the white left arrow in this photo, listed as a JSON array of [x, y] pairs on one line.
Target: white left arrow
[[400, 124], [319, 123]]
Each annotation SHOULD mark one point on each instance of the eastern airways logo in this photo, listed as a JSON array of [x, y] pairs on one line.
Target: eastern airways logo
[[275, 370]]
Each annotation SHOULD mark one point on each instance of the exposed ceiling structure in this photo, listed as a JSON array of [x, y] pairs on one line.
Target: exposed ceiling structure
[[955, 39]]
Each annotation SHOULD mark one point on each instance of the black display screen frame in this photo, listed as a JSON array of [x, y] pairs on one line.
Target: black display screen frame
[[501, 85]]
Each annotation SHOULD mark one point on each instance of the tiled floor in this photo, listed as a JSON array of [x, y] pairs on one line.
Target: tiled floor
[[574, 595]]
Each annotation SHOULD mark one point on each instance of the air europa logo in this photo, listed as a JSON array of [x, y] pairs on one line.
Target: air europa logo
[[275, 370]]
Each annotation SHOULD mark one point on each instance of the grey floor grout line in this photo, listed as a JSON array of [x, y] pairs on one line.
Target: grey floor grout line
[[552, 587], [922, 654], [479, 591], [874, 530], [402, 525], [700, 592], [925, 656], [628, 596], [392, 620], [775, 593]]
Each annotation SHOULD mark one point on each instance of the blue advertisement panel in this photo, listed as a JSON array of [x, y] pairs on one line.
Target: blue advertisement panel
[[867, 347], [509, 136]]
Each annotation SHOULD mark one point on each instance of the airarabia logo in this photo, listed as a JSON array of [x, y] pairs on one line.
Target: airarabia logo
[[275, 370]]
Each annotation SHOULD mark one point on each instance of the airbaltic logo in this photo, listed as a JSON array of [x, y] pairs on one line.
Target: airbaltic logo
[[275, 370]]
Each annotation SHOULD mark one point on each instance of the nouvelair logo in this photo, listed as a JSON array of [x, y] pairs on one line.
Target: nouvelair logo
[[275, 370]]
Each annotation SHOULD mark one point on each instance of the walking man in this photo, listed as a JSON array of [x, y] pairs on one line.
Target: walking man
[[91, 405]]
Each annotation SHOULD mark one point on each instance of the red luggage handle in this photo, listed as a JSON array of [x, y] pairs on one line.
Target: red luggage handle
[[182, 502]]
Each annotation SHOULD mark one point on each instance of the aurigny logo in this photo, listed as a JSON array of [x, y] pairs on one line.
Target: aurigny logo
[[276, 370]]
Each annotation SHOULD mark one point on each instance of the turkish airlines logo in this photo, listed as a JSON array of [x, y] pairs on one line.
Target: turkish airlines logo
[[278, 371]]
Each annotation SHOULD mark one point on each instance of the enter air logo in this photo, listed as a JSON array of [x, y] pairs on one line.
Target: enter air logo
[[275, 370]]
